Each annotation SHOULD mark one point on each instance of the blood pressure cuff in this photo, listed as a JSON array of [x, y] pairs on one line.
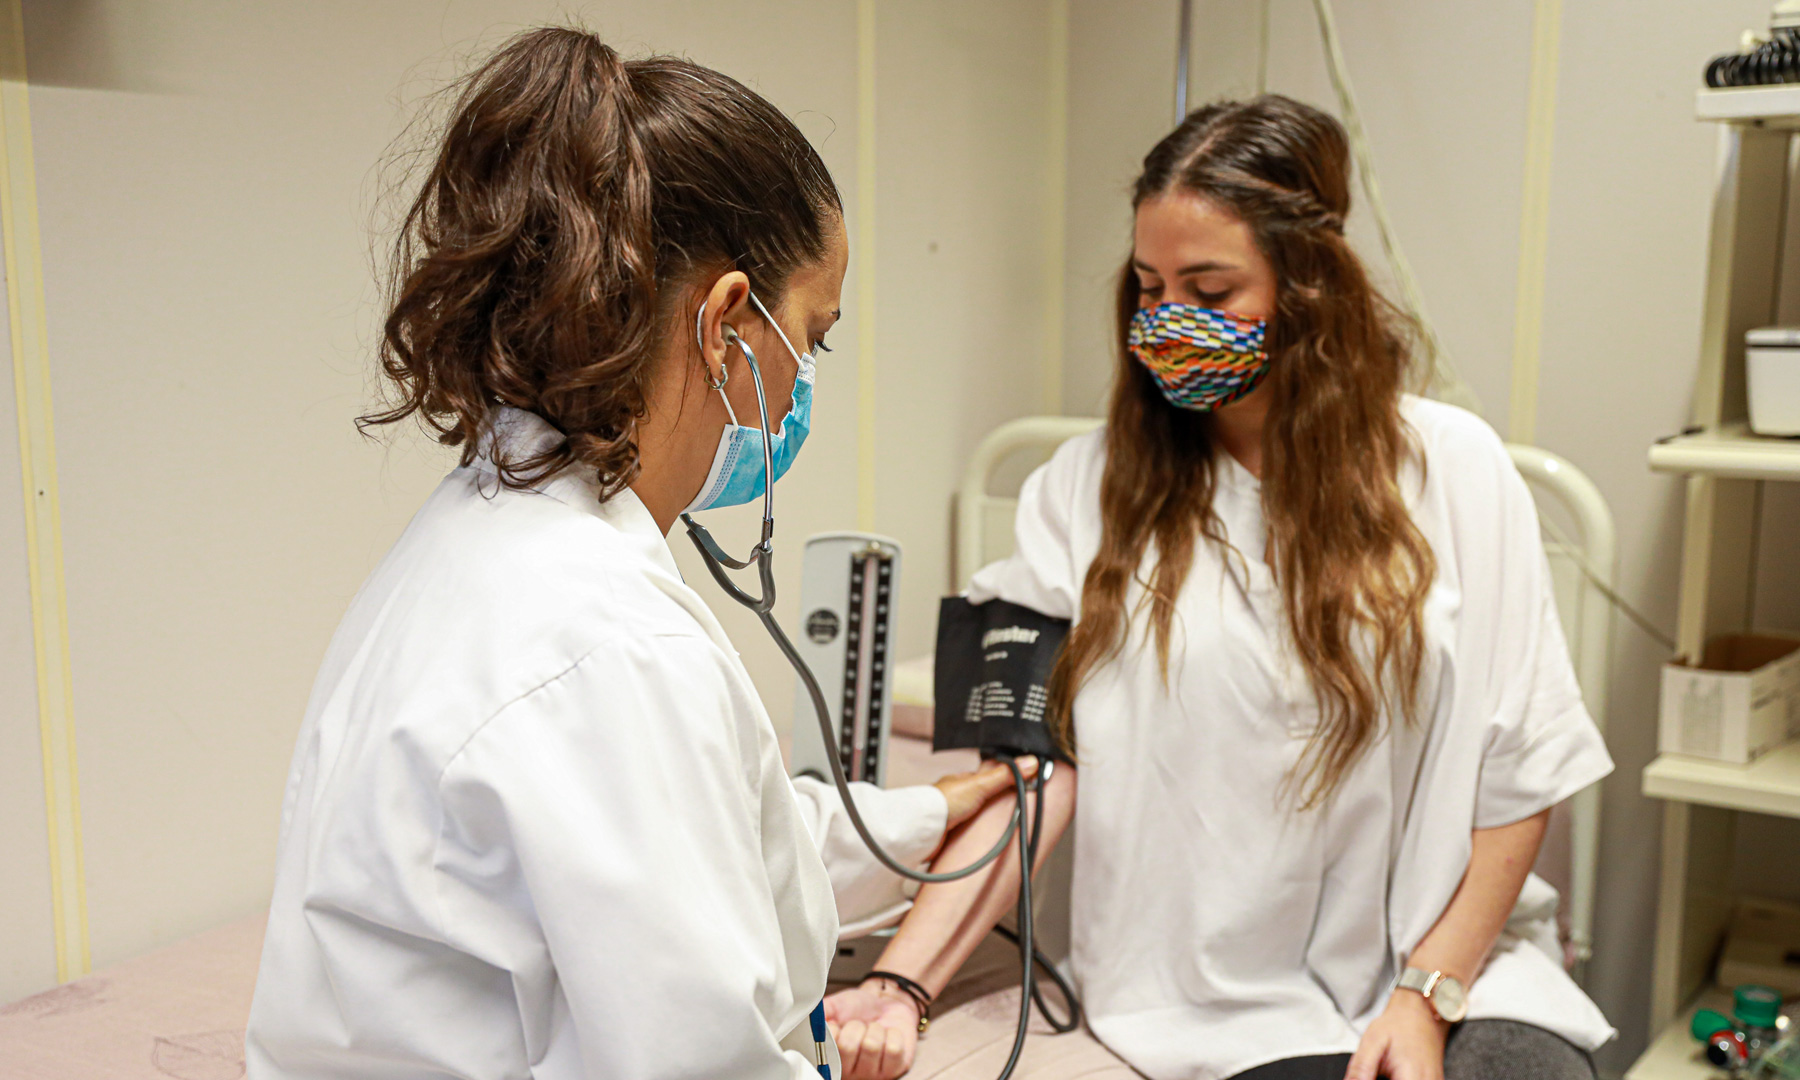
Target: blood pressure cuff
[[992, 681]]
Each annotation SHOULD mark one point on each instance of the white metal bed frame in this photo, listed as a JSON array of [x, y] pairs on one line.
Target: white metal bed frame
[[1582, 570]]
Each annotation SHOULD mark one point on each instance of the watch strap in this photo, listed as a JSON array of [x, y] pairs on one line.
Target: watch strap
[[1452, 1008], [1417, 979]]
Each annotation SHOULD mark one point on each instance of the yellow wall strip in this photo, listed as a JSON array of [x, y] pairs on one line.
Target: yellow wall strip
[[1056, 207], [1534, 221], [43, 515], [865, 264]]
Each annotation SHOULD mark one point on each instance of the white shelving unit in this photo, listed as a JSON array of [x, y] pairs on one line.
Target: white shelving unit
[[1768, 785], [1673, 1054], [1730, 452], [1724, 464], [1763, 106]]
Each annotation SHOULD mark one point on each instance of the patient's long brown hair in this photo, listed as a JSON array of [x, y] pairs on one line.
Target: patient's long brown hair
[[1352, 567]]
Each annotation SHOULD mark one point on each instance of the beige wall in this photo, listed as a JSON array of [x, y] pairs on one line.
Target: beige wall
[[1121, 100], [27, 941], [207, 174], [962, 106]]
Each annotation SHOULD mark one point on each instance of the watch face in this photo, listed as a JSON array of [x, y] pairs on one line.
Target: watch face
[[1449, 999]]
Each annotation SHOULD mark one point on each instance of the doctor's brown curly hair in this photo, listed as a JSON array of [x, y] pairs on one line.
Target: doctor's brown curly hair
[[572, 198]]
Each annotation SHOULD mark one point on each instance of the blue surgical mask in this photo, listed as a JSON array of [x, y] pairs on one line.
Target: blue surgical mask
[[736, 476]]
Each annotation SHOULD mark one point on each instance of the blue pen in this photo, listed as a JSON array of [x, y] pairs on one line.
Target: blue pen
[[820, 1035]]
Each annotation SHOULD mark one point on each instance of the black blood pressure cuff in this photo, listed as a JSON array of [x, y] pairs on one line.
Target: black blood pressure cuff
[[992, 681]]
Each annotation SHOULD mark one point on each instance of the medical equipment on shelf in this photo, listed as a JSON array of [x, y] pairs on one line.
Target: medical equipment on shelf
[[848, 582], [1739, 1042], [1782, 1062], [1772, 377], [763, 605], [1762, 60]]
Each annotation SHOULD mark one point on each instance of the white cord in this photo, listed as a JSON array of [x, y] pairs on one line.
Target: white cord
[[1587, 570], [1262, 46], [1445, 383]]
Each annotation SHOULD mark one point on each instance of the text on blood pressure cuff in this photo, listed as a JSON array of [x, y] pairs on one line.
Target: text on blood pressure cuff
[[992, 677]]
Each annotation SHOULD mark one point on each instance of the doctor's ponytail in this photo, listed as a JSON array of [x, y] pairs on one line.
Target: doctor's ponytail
[[570, 198]]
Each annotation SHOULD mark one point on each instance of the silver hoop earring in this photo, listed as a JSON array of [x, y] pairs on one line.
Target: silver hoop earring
[[731, 338], [700, 342]]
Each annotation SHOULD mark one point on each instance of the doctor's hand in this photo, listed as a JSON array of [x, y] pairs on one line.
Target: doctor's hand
[[1406, 1042], [968, 792], [876, 1028]]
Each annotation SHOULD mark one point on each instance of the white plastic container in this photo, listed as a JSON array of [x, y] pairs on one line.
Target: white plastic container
[[1772, 368]]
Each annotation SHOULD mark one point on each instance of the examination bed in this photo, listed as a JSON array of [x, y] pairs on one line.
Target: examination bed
[[179, 1013]]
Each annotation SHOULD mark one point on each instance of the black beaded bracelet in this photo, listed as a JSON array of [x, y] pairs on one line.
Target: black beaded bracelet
[[912, 990]]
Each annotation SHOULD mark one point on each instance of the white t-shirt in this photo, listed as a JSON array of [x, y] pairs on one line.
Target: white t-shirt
[[1215, 927]]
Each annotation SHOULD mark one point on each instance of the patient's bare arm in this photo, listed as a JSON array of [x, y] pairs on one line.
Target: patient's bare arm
[[1407, 1040], [948, 920], [877, 1025]]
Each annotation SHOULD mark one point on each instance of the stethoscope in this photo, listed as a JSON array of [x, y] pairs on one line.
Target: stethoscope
[[763, 556]]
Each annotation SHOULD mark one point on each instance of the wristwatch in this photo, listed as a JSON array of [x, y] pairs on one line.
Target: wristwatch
[[1444, 993]]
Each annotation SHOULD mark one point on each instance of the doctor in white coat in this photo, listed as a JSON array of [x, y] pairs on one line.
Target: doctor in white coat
[[537, 822]]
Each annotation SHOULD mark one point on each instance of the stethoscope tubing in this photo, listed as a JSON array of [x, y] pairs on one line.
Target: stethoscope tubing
[[763, 556]]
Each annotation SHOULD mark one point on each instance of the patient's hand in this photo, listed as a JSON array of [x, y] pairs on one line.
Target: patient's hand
[[968, 792], [1406, 1042], [877, 1030]]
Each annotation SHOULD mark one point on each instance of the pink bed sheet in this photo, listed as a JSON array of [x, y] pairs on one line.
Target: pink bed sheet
[[179, 1013], [174, 1014]]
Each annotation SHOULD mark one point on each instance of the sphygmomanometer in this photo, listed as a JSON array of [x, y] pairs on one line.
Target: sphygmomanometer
[[993, 667], [991, 681]]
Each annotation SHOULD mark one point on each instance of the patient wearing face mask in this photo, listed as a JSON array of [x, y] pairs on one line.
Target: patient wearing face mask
[[1316, 687]]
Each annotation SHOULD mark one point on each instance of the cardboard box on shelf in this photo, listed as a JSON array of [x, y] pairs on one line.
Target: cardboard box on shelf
[[1740, 701], [1763, 946]]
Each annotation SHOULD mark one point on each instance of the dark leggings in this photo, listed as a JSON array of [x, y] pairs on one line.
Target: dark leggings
[[1474, 1050]]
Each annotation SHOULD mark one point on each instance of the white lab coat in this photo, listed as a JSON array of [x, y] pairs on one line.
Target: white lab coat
[[537, 822], [1215, 928]]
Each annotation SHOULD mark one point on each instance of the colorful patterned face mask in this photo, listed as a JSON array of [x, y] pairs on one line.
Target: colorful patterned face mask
[[1202, 358]]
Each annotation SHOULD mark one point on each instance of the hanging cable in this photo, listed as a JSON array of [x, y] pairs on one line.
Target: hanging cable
[[1183, 48], [1072, 1017], [1262, 46], [1447, 385], [1594, 578]]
